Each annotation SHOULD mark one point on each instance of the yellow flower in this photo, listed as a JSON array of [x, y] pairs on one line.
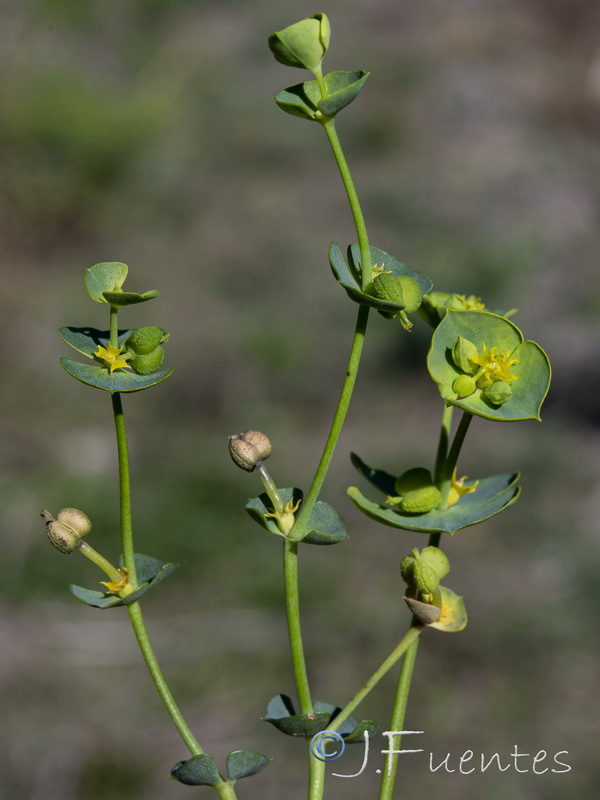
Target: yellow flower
[[458, 488], [495, 365], [110, 356], [464, 303], [285, 520], [123, 588]]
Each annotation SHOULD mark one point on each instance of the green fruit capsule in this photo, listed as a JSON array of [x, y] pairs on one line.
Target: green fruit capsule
[[464, 385], [420, 501], [415, 478], [462, 354], [403, 290], [149, 363], [145, 340], [498, 393]]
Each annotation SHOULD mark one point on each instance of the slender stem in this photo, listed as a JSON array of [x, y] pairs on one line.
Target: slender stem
[[452, 459], [442, 450], [139, 627], [397, 720], [316, 782], [99, 561], [114, 326], [357, 214], [124, 489], [270, 487], [405, 643], [292, 604], [300, 528]]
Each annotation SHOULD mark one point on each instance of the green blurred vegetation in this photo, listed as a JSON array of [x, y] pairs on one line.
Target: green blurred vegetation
[[144, 131]]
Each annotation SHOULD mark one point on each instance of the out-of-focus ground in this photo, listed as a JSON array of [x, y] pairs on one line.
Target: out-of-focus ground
[[144, 131]]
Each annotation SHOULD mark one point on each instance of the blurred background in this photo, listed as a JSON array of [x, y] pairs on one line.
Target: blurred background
[[144, 131]]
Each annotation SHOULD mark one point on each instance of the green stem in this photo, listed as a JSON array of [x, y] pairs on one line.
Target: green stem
[[405, 643], [124, 488], [442, 450], [300, 528], [141, 634], [357, 214], [224, 788], [292, 604], [114, 327], [452, 459], [270, 487], [316, 782], [397, 720], [100, 561]]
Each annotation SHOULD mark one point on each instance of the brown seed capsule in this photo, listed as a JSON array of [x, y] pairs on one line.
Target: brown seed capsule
[[248, 448], [69, 527], [76, 520]]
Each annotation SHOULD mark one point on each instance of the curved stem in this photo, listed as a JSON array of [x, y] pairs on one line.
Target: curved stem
[[124, 489], [292, 604], [397, 720], [300, 528], [405, 643], [141, 634], [270, 487], [357, 214]]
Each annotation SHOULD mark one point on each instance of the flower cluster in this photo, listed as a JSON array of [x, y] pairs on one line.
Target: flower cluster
[[489, 371]]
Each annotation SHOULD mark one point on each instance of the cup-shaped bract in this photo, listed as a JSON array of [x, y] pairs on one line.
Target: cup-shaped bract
[[503, 357], [302, 44]]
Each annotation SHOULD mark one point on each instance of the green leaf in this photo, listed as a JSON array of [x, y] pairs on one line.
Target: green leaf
[[435, 304], [480, 327], [108, 276], [358, 733], [348, 275], [302, 44], [117, 381], [492, 496], [343, 87], [86, 340], [121, 299], [150, 572], [281, 713], [324, 523], [304, 99], [198, 770], [300, 100], [243, 763]]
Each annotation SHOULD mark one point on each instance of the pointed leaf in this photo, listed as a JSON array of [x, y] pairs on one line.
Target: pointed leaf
[[117, 381], [243, 763], [105, 277], [300, 100], [358, 734], [198, 770], [492, 496], [86, 340], [342, 88], [380, 479], [348, 275], [324, 523], [150, 572]]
